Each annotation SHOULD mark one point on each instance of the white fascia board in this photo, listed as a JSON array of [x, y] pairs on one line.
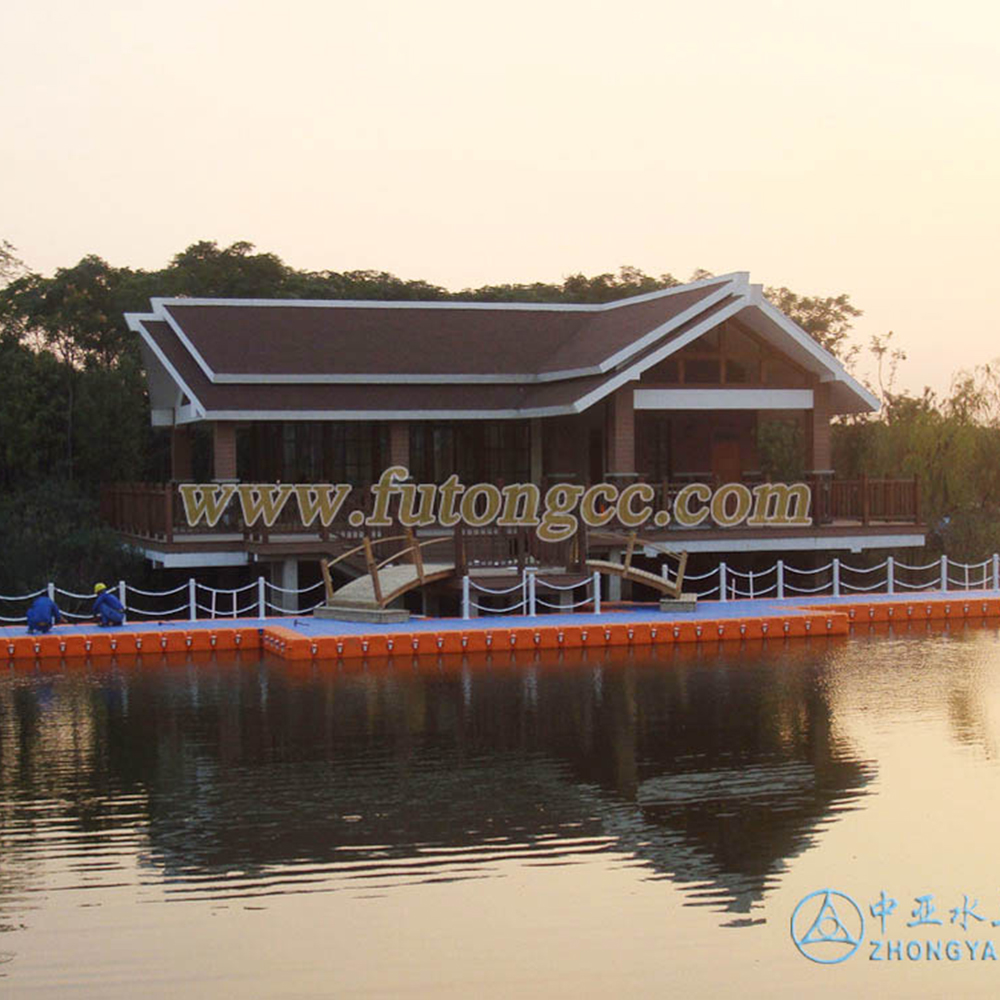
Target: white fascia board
[[194, 560], [723, 399], [830, 368], [633, 373], [189, 414], [395, 378], [507, 414], [136, 326], [812, 543]]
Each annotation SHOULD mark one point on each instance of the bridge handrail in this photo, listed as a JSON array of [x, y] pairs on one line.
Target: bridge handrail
[[410, 548]]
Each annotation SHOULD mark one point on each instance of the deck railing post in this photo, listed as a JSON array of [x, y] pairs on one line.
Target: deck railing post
[[530, 575], [996, 571], [121, 593], [597, 591], [192, 599], [261, 598], [890, 575], [465, 597], [944, 572], [836, 577], [722, 581], [780, 586], [51, 591], [750, 583]]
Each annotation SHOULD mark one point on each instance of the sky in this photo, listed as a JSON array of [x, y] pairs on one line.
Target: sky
[[847, 147]]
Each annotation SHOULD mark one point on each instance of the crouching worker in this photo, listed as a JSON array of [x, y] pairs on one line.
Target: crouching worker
[[43, 614], [108, 609]]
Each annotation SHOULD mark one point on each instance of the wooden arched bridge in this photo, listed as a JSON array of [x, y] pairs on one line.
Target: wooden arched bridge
[[384, 581], [406, 568]]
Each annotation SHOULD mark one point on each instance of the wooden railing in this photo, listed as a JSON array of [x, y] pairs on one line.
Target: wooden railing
[[156, 511]]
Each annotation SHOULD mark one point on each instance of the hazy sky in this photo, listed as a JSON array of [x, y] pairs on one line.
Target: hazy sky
[[831, 147]]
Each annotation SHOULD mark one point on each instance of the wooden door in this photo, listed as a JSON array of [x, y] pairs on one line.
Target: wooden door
[[726, 464]]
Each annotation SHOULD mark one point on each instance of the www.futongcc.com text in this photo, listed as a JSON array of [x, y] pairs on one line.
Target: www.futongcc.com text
[[555, 514]]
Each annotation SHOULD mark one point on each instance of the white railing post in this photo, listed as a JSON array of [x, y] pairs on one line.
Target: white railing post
[[465, 597], [597, 592], [750, 577], [531, 609], [121, 592], [890, 575], [52, 591], [215, 594], [780, 588], [996, 570], [836, 577], [192, 600], [944, 572], [722, 581], [966, 576], [261, 598]]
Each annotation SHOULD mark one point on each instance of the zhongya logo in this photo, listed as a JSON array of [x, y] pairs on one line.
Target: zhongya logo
[[827, 926]]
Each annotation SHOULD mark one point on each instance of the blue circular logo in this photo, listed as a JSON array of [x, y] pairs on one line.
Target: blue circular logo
[[827, 926]]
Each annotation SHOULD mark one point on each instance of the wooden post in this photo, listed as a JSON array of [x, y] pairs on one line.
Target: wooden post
[[324, 567], [628, 550], [417, 556], [372, 570]]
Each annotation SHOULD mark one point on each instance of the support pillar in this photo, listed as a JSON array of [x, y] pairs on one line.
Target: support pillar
[[286, 574], [224, 450], [615, 581], [619, 433], [180, 454], [399, 443], [535, 435], [818, 430]]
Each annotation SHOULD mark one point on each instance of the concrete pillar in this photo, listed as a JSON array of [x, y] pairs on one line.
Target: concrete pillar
[[224, 450], [615, 582], [285, 573], [399, 443], [180, 454], [619, 432]]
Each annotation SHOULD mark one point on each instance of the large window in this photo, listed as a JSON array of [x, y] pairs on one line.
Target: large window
[[652, 445], [476, 451], [316, 452]]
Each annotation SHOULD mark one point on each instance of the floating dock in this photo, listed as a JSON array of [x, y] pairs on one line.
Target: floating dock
[[306, 638]]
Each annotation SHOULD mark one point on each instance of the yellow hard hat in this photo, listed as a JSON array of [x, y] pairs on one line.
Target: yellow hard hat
[[98, 587]]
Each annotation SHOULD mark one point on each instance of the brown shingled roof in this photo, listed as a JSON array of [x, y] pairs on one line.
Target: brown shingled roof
[[291, 338]]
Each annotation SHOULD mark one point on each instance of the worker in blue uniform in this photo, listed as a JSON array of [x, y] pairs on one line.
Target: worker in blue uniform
[[108, 609], [43, 614]]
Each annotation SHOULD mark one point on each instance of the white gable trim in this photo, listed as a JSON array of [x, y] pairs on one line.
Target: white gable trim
[[136, 326], [834, 371]]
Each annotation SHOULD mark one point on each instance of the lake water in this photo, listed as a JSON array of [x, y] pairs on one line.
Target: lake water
[[637, 825]]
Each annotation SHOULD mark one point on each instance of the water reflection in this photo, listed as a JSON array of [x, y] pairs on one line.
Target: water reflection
[[711, 768]]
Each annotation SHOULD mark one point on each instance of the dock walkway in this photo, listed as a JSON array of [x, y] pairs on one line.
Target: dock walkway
[[302, 637]]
